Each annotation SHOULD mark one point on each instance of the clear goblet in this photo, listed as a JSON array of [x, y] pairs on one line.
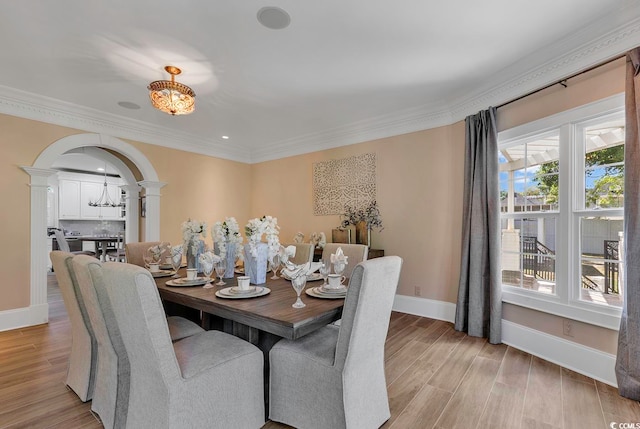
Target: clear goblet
[[274, 264], [207, 270], [325, 270], [220, 267], [298, 284]]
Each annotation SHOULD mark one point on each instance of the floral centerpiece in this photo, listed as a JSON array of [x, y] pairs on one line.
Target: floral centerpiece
[[256, 252], [227, 241], [193, 234], [365, 219], [268, 226]]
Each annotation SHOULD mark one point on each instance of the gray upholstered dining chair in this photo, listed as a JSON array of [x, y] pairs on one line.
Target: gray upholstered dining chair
[[134, 252], [211, 379], [304, 253], [82, 360], [106, 367], [334, 377], [356, 253]]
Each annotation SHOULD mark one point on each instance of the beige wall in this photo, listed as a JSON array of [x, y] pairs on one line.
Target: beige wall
[[199, 187], [419, 191], [21, 141]]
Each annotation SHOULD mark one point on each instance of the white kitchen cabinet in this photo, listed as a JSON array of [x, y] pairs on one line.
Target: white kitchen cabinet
[[69, 199], [75, 192]]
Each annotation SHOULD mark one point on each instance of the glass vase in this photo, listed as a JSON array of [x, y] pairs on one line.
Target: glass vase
[[256, 267], [192, 257], [230, 257]]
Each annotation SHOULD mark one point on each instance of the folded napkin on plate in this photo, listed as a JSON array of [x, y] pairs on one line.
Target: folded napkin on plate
[[339, 256], [285, 253], [293, 271]]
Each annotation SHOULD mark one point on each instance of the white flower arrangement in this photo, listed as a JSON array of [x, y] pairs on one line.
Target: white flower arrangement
[[209, 257], [191, 229], [225, 232], [268, 226]]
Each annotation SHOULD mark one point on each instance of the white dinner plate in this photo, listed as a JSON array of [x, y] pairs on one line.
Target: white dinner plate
[[316, 293], [332, 291], [227, 294], [313, 277], [161, 273], [236, 290], [187, 283]]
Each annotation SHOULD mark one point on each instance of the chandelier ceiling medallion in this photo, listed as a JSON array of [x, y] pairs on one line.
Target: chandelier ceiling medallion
[[105, 200], [170, 96]]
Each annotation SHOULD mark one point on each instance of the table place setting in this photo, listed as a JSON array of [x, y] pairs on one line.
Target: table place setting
[[243, 290], [333, 286], [184, 282], [335, 289]]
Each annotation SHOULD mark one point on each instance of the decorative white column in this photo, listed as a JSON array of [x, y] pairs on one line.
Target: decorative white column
[[132, 196], [152, 215], [38, 308]]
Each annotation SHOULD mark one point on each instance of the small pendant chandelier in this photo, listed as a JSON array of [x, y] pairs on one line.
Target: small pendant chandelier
[[105, 200], [170, 96]]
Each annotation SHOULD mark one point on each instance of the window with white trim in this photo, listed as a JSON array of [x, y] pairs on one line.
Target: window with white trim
[[561, 194]]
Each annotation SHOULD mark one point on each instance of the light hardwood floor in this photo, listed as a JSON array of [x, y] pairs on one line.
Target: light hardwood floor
[[437, 378]]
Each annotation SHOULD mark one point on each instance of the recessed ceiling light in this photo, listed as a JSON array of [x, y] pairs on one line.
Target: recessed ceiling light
[[128, 105], [225, 137], [273, 18]]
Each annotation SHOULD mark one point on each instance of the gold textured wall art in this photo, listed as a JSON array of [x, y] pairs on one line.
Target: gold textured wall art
[[340, 182]]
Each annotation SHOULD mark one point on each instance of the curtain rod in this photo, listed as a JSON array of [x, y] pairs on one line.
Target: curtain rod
[[563, 81]]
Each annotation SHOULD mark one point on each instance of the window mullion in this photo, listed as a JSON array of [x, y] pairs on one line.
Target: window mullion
[[565, 228]]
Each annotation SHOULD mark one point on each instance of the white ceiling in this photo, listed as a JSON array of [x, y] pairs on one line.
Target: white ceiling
[[342, 72]]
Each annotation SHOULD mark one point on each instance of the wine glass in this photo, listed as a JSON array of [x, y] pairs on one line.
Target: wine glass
[[325, 270], [298, 284], [165, 251], [207, 264], [176, 263], [339, 267], [221, 267], [274, 264]]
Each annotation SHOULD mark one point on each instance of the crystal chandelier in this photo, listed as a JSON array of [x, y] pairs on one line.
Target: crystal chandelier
[[105, 200], [170, 96]]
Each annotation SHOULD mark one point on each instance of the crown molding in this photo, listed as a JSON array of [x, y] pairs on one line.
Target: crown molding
[[537, 70], [529, 75], [27, 105]]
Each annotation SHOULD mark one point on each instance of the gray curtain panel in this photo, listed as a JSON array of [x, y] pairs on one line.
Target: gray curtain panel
[[628, 358], [479, 307]]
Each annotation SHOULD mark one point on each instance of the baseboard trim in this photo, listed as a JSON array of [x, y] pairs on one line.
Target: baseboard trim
[[22, 317], [424, 307], [576, 357]]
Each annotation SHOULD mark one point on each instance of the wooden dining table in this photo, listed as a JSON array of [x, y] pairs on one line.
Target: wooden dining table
[[260, 320], [102, 243]]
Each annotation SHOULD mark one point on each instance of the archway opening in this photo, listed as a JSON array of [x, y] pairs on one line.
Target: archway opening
[[118, 153]]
